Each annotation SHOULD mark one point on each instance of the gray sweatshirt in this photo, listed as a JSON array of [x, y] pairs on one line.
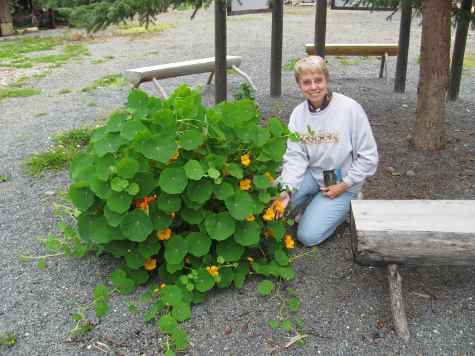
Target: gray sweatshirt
[[338, 137]]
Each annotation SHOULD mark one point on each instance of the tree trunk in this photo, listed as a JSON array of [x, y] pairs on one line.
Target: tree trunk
[[320, 27], [430, 133], [6, 23], [404, 37], [276, 49], [459, 50], [220, 50]]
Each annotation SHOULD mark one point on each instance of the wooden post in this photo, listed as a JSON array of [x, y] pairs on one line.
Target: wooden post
[[397, 302], [6, 22], [276, 48], [320, 27], [220, 50], [404, 36], [463, 22]]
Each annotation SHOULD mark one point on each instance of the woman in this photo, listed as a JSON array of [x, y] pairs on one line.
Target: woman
[[334, 135]]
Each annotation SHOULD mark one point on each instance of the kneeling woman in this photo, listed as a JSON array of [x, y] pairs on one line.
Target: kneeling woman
[[335, 138]]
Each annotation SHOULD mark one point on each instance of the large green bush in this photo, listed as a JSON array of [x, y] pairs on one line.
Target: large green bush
[[182, 193]]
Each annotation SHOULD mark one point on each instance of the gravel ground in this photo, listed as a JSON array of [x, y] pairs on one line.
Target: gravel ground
[[346, 306]]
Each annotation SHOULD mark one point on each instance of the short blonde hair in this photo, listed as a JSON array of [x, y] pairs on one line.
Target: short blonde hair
[[310, 64]]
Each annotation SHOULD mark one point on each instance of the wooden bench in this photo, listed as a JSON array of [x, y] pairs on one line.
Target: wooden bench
[[411, 232], [362, 49], [205, 65]]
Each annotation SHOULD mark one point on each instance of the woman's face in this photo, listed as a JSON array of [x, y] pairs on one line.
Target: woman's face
[[314, 87]]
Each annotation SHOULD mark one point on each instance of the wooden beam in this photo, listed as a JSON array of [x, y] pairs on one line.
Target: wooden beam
[[461, 33], [320, 27], [397, 302], [404, 37], [276, 48], [220, 50], [413, 232], [358, 49]]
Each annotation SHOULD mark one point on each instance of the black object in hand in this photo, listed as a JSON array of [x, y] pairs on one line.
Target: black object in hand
[[329, 177]]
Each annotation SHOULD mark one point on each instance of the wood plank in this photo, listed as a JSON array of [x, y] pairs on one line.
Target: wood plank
[[170, 70], [361, 49], [413, 232]]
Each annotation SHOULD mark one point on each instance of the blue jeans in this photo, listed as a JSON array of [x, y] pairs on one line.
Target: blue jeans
[[322, 215]]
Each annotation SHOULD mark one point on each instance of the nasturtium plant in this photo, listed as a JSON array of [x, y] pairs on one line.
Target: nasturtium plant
[[182, 194]]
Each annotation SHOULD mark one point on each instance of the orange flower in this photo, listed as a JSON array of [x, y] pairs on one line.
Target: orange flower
[[278, 206], [270, 177], [289, 242], [150, 264], [245, 184], [143, 204], [213, 271], [246, 160], [250, 259], [163, 285], [269, 215], [250, 218], [164, 234], [175, 156]]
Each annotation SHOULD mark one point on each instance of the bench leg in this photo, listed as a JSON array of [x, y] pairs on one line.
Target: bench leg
[[160, 89], [397, 302], [210, 78], [245, 76], [382, 66]]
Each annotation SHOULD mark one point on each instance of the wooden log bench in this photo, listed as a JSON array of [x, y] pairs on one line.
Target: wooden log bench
[[170, 70], [382, 50], [411, 232]]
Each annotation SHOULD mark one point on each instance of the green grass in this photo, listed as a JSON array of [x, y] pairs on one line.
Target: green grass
[[11, 92], [11, 49], [7, 339], [111, 80], [102, 60], [289, 66], [40, 114], [348, 61], [65, 91], [70, 51], [66, 146], [3, 178], [92, 104], [469, 61], [134, 29]]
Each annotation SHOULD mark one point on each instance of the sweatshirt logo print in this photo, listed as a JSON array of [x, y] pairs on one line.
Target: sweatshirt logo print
[[318, 138]]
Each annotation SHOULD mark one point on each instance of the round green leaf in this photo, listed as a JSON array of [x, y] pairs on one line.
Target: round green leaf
[[161, 221], [119, 202], [157, 148], [229, 250], [116, 122], [220, 226], [227, 276], [192, 216], [99, 187], [134, 260], [191, 140], [276, 127], [198, 243], [168, 203], [118, 184], [240, 205], [181, 311], [131, 128], [194, 170], [171, 295], [204, 282], [103, 166], [175, 249], [101, 232], [265, 287], [180, 338], [109, 144], [136, 225], [200, 192], [167, 324], [293, 304], [127, 167], [81, 196], [113, 219], [224, 191], [213, 173], [261, 182], [247, 233], [173, 180], [149, 247], [265, 197], [235, 170], [133, 189]]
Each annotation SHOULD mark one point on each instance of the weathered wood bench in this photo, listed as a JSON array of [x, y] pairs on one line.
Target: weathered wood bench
[[382, 50], [170, 70], [411, 232]]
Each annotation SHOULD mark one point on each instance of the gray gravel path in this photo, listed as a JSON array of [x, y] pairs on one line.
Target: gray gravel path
[[341, 302]]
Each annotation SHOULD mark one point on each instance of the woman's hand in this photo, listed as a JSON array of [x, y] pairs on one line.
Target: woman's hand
[[280, 204], [335, 190]]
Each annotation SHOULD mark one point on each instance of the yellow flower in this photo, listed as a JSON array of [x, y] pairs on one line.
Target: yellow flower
[[150, 264], [289, 242], [278, 206], [270, 177], [245, 184], [269, 215], [246, 160], [164, 234], [175, 156], [250, 218], [250, 259], [173, 215], [213, 271], [163, 285]]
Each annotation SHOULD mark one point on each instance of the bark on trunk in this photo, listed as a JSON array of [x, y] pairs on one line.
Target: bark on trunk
[[320, 27], [220, 50], [6, 23], [276, 49], [430, 132], [404, 37]]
